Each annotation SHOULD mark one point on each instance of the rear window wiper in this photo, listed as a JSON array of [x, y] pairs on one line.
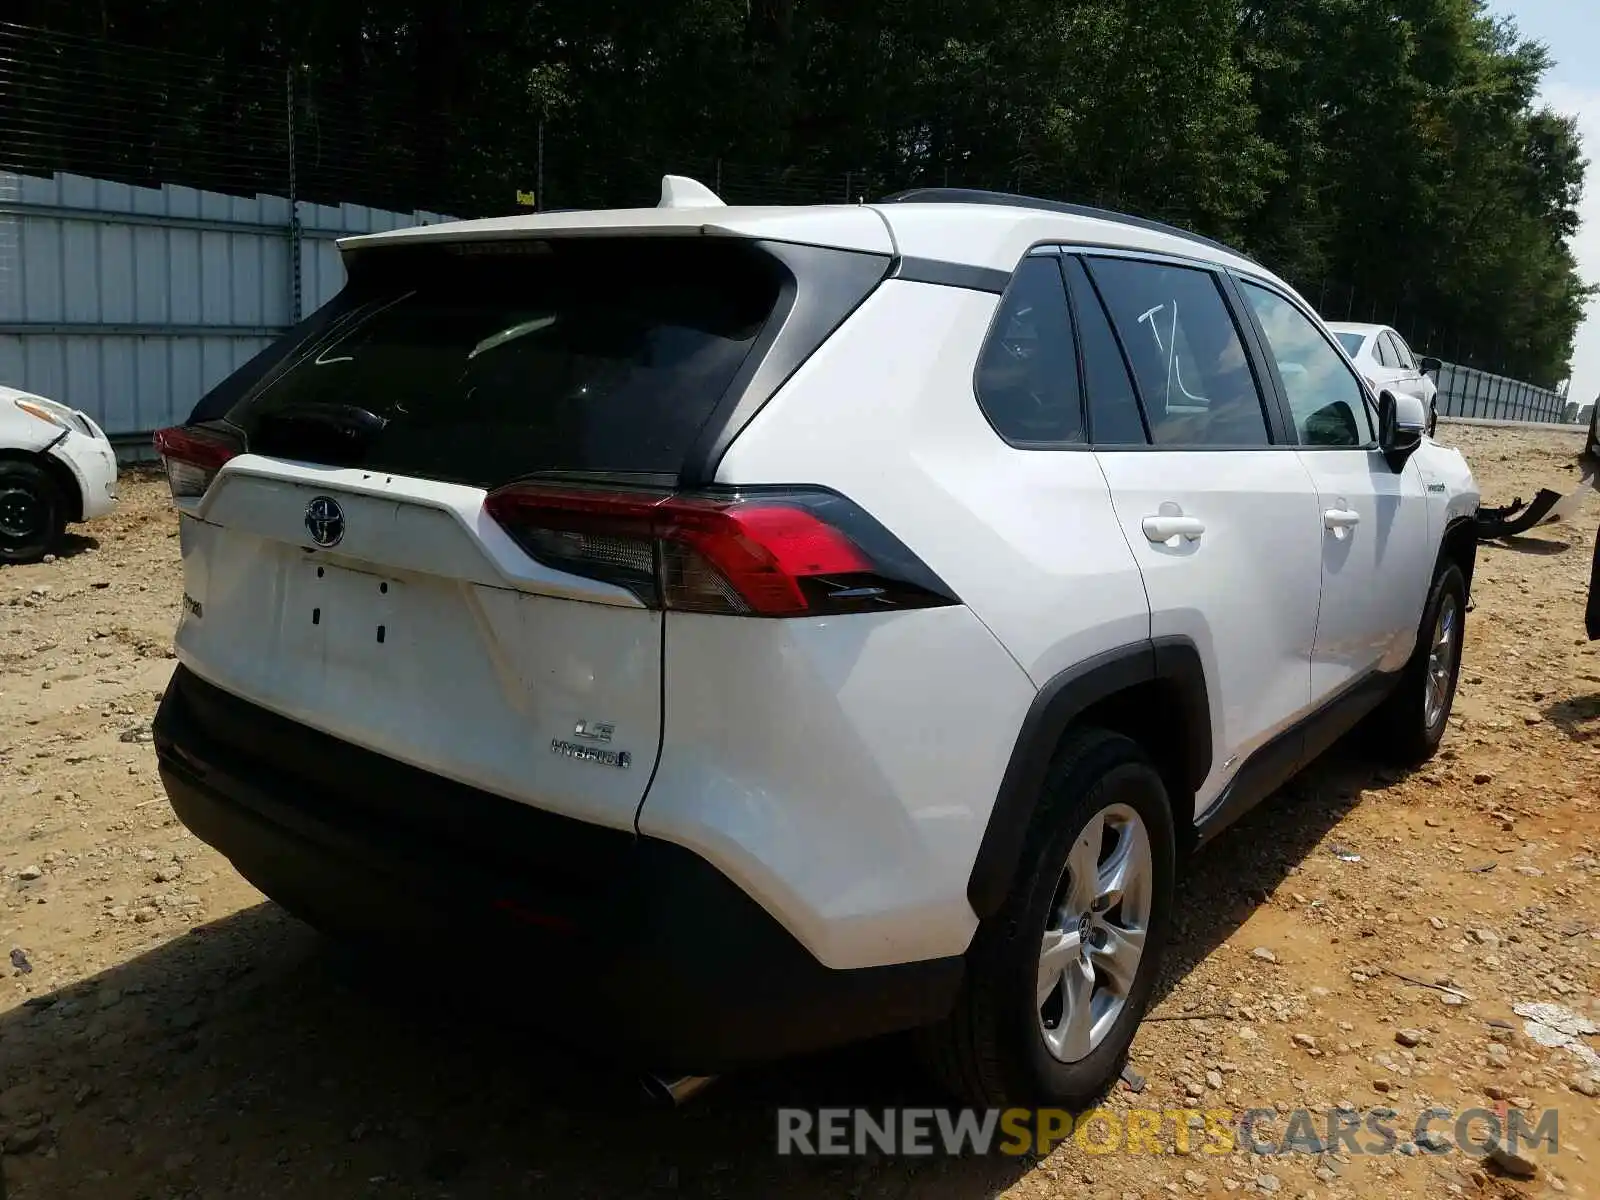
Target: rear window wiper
[[334, 434]]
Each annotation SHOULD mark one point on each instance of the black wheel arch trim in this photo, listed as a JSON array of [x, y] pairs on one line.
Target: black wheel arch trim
[[1061, 701]]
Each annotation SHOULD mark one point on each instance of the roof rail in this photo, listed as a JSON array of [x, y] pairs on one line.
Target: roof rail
[[944, 195]]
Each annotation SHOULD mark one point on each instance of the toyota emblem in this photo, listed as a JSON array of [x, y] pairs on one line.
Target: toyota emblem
[[325, 521]]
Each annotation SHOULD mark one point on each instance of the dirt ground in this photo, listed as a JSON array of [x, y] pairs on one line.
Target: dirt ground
[[166, 1032]]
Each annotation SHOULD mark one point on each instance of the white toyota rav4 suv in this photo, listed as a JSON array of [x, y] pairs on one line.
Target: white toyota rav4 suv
[[756, 629]]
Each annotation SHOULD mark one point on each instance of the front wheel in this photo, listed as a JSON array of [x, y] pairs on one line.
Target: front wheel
[[1058, 980], [1410, 724], [33, 513]]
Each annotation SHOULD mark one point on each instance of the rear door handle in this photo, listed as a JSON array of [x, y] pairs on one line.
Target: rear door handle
[[1340, 519], [1164, 529]]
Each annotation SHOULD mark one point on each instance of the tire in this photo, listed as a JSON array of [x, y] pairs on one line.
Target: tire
[[992, 1050], [1433, 419], [1407, 728], [33, 512]]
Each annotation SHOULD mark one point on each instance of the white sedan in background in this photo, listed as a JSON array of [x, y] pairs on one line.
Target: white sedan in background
[[1386, 362], [56, 466]]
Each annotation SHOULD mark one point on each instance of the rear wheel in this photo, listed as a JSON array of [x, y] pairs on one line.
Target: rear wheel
[[1410, 724], [1059, 978], [33, 512]]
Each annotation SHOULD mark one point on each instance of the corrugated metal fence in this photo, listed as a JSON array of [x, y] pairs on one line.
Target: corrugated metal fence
[[130, 302], [1464, 392]]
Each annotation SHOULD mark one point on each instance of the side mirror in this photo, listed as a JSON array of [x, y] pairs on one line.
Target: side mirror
[[1430, 365], [1402, 420]]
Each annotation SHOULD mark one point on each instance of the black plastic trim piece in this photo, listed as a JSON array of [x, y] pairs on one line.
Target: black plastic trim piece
[[956, 275], [1058, 704], [1281, 758], [1591, 609], [823, 287], [566, 915], [1269, 381], [1007, 199]]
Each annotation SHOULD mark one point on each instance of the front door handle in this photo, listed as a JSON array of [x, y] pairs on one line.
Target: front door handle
[[1164, 529], [1341, 519]]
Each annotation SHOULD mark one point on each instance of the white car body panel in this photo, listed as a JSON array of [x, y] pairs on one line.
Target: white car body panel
[[1022, 536], [486, 659], [1375, 574], [997, 237], [839, 772], [1244, 592], [84, 450]]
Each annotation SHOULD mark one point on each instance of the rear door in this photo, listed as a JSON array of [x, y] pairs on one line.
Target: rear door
[[1221, 514], [1377, 561], [344, 571]]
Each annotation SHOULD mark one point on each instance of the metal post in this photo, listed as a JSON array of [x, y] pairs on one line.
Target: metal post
[[847, 188], [294, 203], [538, 171]]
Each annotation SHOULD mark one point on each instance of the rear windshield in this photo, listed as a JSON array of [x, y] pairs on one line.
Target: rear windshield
[[483, 362]]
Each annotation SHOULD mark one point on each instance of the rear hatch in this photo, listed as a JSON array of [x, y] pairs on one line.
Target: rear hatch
[[341, 566]]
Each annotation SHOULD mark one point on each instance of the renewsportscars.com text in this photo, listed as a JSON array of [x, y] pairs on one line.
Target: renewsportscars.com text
[[847, 1132]]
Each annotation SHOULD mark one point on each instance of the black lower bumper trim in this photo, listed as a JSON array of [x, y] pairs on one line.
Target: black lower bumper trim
[[638, 940]]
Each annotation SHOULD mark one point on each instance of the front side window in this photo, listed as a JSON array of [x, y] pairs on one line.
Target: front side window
[[1194, 376], [1325, 397], [1028, 373]]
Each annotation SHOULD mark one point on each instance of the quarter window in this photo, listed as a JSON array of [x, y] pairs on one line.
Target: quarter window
[[1327, 401], [1028, 373], [1194, 376]]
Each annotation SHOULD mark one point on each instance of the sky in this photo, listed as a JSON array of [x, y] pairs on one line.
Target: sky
[[1572, 32]]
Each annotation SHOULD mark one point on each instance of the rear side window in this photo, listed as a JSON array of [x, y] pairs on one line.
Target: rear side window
[[1114, 418], [1027, 379], [1385, 351], [1194, 376], [482, 362], [1351, 342]]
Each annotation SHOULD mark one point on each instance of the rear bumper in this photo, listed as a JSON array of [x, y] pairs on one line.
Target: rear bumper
[[637, 939]]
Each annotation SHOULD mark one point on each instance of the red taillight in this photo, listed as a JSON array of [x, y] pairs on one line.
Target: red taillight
[[765, 554], [192, 456]]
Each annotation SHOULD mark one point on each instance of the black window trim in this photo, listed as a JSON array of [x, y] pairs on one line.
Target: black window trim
[[1042, 250], [1408, 360], [1122, 355], [1280, 431], [1238, 280]]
